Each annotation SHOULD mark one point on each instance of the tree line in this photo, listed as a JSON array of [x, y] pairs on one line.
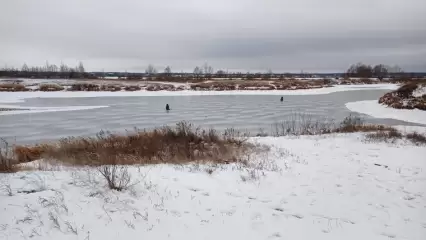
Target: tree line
[[379, 71], [48, 70]]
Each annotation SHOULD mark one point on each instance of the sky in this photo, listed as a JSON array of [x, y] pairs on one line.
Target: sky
[[234, 35]]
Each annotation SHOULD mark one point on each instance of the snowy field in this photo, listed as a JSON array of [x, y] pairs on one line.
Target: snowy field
[[318, 187]]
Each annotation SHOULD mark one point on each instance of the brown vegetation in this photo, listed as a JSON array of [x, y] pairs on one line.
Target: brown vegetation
[[84, 87], [111, 88], [50, 87], [12, 87], [181, 144], [132, 88], [403, 98]]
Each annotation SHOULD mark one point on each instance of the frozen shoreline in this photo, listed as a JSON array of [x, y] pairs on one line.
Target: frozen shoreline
[[16, 97], [374, 109]]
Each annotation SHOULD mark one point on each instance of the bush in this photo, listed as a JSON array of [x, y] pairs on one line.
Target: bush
[[111, 88], [132, 88], [406, 90], [416, 138], [50, 87], [11, 87], [84, 87], [117, 177]]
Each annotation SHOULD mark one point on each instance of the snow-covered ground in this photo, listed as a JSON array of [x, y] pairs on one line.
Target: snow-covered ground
[[374, 109], [420, 91], [317, 187]]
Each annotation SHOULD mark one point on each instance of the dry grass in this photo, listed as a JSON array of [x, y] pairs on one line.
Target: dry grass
[[12, 87], [180, 144], [416, 138], [50, 87], [304, 124], [132, 88], [111, 88], [84, 87]]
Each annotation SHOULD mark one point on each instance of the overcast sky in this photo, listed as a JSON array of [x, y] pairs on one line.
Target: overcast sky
[[244, 35]]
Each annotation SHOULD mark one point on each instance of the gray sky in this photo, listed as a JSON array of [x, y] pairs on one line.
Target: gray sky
[[244, 35]]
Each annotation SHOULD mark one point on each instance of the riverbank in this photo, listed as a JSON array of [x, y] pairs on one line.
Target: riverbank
[[409, 96], [16, 97], [28, 85], [345, 186]]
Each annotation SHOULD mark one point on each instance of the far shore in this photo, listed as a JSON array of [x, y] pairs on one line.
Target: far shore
[[56, 85]]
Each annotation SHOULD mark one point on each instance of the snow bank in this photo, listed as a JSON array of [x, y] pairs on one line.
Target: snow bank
[[30, 110], [341, 188], [9, 97], [374, 109], [420, 91]]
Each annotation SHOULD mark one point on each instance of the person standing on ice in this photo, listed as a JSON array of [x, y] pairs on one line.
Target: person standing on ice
[[282, 99], [167, 107]]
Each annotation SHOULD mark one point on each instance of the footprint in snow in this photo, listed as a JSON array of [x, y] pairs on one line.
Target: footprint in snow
[[279, 209], [195, 189], [275, 235]]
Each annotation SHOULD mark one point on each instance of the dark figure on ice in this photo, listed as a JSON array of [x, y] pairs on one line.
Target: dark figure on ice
[[282, 99], [167, 107]]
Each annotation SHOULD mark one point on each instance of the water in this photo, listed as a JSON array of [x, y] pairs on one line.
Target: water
[[247, 113]]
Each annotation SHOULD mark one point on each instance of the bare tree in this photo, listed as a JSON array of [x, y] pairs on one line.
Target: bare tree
[[168, 71], [198, 72], [63, 68], [25, 68], [80, 67], [151, 70], [380, 71], [360, 70], [207, 69]]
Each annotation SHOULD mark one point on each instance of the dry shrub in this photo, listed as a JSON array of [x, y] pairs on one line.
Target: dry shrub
[[304, 124], [356, 124], [111, 88], [84, 87], [416, 138], [118, 177], [132, 88], [11, 87], [25, 154], [50, 87], [406, 90], [180, 144], [385, 136]]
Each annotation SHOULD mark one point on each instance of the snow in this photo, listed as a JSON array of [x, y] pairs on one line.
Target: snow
[[374, 109], [420, 91], [313, 187], [29, 110], [11, 97]]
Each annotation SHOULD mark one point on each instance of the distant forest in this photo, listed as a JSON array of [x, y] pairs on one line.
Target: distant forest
[[64, 71]]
